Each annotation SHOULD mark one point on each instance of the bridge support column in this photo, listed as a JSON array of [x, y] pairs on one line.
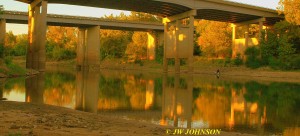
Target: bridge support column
[[191, 45], [261, 25], [160, 38], [179, 39], [37, 26], [152, 40], [165, 60], [234, 53], [177, 58], [81, 47], [155, 39], [2, 34], [2, 31], [247, 36], [88, 50]]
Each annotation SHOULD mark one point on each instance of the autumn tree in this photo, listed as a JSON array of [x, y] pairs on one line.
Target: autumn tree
[[61, 42], [139, 16], [215, 38], [117, 44], [135, 16], [291, 10], [137, 49]]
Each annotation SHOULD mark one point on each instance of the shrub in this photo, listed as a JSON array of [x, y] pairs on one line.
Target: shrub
[[8, 60], [295, 62], [19, 50], [139, 61], [253, 63], [238, 60], [227, 61], [273, 62], [252, 57], [62, 54]]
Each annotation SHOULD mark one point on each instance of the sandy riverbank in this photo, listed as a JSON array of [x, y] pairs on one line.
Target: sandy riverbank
[[44, 120]]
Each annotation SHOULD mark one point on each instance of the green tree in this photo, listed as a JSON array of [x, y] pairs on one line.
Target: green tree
[[252, 57], [21, 44], [113, 43], [10, 42], [280, 48]]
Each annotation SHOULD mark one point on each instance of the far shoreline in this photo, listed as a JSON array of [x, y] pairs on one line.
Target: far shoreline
[[229, 72]]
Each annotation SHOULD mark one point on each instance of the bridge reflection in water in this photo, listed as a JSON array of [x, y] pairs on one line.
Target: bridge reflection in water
[[173, 100]]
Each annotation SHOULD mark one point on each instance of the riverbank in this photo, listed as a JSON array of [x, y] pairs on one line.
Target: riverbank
[[203, 67], [10, 69], [33, 119], [18, 119], [209, 68]]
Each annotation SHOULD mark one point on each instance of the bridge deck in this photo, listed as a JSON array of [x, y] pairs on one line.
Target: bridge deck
[[79, 21]]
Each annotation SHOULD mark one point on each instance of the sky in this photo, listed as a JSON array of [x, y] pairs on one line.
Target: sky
[[95, 12]]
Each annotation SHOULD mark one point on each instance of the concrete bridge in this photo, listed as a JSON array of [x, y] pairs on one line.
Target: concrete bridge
[[178, 21], [79, 21]]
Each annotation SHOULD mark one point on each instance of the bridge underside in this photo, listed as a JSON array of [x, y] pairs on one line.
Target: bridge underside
[[231, 17], [166, 8], [159, 8]]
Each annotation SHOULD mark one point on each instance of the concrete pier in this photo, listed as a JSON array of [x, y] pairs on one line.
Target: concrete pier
[[37, 26]]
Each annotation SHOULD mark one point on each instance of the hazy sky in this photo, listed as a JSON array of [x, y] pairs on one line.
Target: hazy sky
[[96, 12]]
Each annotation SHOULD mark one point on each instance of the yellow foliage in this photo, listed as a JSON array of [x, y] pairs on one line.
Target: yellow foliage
[[291, 10], [65, 37]]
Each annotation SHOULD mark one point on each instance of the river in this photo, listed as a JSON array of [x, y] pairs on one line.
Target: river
[[185, 101]]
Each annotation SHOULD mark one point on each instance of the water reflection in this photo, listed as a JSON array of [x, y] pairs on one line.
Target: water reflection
[[87, 88], [13, 89], [35, 89], [177, 101], [172, 100]]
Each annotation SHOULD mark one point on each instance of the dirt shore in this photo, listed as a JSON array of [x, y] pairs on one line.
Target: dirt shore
[[41, 120], [27, 119]]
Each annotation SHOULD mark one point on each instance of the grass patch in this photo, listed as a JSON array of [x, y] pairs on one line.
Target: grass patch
[[10, 69], [14, 134], [15, 70]]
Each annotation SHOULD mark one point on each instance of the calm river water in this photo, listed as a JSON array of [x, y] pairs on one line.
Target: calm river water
[[198, 101]]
